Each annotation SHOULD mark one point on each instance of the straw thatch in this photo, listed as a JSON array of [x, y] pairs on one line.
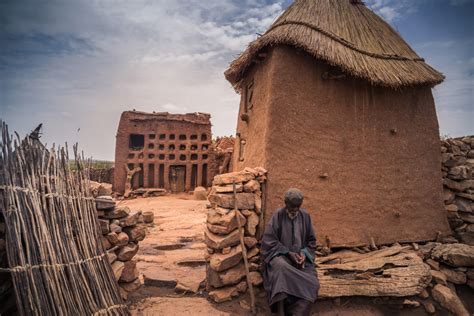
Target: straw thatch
[[346, 34], [56, 260]]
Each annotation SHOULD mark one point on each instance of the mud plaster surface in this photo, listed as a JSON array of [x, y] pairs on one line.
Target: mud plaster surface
[[380, 184]]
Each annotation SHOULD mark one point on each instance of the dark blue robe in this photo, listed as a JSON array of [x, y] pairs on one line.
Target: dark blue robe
[[281, 279]]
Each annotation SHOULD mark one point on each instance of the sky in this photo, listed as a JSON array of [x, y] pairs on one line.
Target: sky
[[76, 65]]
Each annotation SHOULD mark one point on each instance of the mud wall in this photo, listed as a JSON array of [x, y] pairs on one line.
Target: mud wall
[[354, 150], [168, 140], [249, 148]]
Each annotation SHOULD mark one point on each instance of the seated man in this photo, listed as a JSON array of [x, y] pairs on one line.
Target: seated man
[[288, 247]]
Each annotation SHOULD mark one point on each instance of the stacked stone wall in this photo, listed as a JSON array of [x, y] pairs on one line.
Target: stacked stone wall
[[226, 275]]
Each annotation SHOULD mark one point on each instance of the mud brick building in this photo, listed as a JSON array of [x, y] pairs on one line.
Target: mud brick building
[[335, 102], [173, 151]]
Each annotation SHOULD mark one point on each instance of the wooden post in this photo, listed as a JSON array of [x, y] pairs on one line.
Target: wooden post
[[244, 251]]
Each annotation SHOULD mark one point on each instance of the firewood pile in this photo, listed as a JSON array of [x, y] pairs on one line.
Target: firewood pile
[[226, 268], [122, 229]]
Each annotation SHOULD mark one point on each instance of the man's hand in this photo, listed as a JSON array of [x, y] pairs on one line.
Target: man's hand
[[297, 258]]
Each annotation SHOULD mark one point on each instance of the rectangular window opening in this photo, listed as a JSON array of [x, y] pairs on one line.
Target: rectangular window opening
[[194, 171], [204, 175], [161, 176], [137, 141], [151, 175]]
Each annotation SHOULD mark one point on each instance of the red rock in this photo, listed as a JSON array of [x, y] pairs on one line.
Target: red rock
[[135, 233], [130, 272], [230, 178], [219, 242], [127, 252], [449, 300], [220, 262], [104, 226], [117, 268], [118, 212]]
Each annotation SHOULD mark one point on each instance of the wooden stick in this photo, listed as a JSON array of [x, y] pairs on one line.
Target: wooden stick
[[244, 251], [58, 265]]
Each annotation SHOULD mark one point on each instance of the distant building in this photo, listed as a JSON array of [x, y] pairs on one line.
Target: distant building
[[335, 102], [173, 151]]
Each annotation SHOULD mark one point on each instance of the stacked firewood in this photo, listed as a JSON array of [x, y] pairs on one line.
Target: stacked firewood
[[121, 230], [458, 180], [226, 271]]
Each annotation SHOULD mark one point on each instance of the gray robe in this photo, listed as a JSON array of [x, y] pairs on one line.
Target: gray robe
[[280, 277]]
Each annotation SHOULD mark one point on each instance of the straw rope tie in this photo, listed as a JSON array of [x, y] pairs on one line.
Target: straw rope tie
[[48, 195], [37, 266], [345, 42], [108, 309]]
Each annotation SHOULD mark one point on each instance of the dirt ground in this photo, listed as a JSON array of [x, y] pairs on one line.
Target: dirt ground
[[173, 252]]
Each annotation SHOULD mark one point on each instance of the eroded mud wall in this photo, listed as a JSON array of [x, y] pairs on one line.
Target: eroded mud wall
[[367, 158]]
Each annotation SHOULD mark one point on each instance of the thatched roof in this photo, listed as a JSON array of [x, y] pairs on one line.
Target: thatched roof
[[344, 33]]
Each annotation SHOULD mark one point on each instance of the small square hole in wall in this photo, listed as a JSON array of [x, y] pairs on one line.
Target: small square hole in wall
[[182, 147], [140, 156], [194, 137], [151, 156], [182, 137], [172, 147], [151, 146], [161, 147], [151, 136], [205, 147], [136, 141], [130, 156], [204, 157], [161, 157], [172, 136], [194, 157], [172, 157], [182, 157], [204, 137], [194, 147], [162, 136]]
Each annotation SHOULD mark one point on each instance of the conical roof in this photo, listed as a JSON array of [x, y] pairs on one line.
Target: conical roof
[[347, 34]]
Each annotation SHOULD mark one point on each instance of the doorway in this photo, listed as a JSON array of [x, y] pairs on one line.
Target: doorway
[[177, 178]]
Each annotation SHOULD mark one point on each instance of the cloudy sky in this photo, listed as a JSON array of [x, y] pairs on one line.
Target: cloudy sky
[[75, 65]]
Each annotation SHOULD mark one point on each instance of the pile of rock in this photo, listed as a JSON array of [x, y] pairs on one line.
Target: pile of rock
[[121, 230], [451, 264], [226, 276], [458, 180]]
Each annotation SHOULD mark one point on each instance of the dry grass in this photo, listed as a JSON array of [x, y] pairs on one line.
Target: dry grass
[[346, 35]]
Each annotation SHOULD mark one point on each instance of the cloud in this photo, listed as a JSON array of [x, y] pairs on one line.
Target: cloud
[[79, 64], [454, 97], [392, 10]]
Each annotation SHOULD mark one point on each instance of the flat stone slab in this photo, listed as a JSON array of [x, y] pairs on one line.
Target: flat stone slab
[[159, 280]]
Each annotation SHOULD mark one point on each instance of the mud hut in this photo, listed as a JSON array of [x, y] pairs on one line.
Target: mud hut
[[170, 151], [336, 103]]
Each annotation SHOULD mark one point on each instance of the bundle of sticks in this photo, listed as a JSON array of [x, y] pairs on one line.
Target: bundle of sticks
[[57, 262]]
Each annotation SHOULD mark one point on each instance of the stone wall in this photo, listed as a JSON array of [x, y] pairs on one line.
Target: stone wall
[[122, 229], [458, 181], [226, 276]]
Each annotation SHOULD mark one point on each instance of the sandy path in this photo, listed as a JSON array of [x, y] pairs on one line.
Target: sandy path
[[178, 233]]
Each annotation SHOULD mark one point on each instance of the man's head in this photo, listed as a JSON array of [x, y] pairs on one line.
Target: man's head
[[293, 201]]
